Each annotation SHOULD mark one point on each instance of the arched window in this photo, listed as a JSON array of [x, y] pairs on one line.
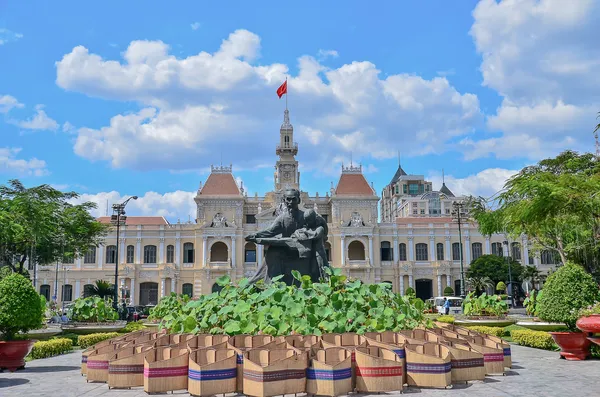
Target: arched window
[[497, 249], [356, 251], [440, 251], [45, 291], [476, 248], [130, 254], [219, 252], [402, 252], [67, 293], [111, 254], [250, 253], [286, 140], [421, 249], [68, 259], [455, 251], [188, 253], [90, 256], [150, 254], [148, 293], [516, 251], [547, 257], [386, 251], [88, 290], [188, 289], [170, 254]]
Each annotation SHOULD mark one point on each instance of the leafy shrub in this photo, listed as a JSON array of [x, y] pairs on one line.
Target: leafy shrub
[[448, 291], [501, 287], [566, 291], [168, 304], [484, 305], [20, 306], [531, 303], [410, 292], [86, 341], [495, 331], [531, 338], [92, 310], [334, 305], [445, 319], [132, 327], [503, 296], [50, 348], [74, 338]]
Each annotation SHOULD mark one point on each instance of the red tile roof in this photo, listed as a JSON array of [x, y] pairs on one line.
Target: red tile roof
[[220, 184], [138, 220], [353, 185]]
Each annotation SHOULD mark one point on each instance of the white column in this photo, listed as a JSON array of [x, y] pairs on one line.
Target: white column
[[371, 250], [162, 287], [448, 253], [432, 249], [410, 281], [205, 247], [138, 249], [78, 262], [161, 250], [233, 252], [525, 245], [132, 292], [122, 250], [100, 256], [402, 284], [173, 284], [177, 250], [120, 293], [467, 251], [487, 245], [411, 249], [439, 280], [396, 253], [77, 290], [343, 250]]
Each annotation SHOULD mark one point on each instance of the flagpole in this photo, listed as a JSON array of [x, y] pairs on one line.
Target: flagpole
[[286, 93]]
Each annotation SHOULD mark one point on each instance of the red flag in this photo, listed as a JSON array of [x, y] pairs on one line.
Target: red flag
[[282, 89]]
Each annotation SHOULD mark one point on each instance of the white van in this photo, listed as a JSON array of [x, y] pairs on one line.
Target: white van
[[455, 304]]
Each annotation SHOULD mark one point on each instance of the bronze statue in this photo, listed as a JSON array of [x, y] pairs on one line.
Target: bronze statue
[[295, 241]]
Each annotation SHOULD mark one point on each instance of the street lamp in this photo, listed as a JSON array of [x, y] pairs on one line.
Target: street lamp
[[118, 218], [457, 209], [512, 290]]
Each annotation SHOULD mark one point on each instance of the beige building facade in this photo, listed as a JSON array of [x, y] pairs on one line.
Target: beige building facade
[[406, 237]]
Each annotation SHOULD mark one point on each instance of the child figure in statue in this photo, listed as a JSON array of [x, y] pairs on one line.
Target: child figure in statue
[[315, 230]]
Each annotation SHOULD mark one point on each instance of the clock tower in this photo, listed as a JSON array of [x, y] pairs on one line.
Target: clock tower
[[286, 168]]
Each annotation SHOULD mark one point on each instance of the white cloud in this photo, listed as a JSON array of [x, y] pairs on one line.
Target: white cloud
[[12, 165], [323, 54], [40, 121], [195, 25], [543, 58], [8, 102], [485, 183], [7, 36], [68, 127], [172, 205], [196, 106]]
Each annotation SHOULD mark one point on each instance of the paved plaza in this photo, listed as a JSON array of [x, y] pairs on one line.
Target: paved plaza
[[535, 373]]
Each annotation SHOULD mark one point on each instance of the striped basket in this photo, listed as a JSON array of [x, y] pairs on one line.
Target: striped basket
[[97, 362], [447, 333], [126, 367], [422, 335], [378, 370], [456, 328], [376, 339], [495, 341], [173, 340], [212, 371], [90, 350], [166, 369], [241, 344], [467, 364], [348, 341], [493, 353], [201, 341], [330, 373], [273, 373], [427, 365], [303, 342]]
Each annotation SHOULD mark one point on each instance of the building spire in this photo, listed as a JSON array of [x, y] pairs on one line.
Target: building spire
[[399, 162], [443, 177]]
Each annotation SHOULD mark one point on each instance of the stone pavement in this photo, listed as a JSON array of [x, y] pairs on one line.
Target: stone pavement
[[535, 373]]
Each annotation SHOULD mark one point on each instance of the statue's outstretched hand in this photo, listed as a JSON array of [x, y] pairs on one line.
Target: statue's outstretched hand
[[251, 237]]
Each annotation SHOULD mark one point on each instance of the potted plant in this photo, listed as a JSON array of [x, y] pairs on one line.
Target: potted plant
[[501, 287], [489, 310], [448, 291], [93, 314], [566, 291], [589, 319], [20, 311]]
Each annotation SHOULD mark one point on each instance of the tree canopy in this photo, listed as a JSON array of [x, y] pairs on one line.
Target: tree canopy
[[496, 268], [556, 203], [41, 223]]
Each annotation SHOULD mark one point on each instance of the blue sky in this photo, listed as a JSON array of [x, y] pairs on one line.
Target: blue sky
[[123, 98]]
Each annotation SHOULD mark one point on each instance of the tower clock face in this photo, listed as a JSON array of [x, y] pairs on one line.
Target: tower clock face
[[287, 175]]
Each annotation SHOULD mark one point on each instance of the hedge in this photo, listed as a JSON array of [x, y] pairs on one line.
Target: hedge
[[132, 327], [531, 338], [86, 341], [495, 331], [50, 348], [73, 337], [445, 319]]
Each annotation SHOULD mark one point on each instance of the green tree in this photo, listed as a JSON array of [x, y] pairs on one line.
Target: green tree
[[479, 284], [102, 289], [555, 203], [41, 223], [496, 268]]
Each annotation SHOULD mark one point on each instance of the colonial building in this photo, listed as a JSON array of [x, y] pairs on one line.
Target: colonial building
[[414, 243]]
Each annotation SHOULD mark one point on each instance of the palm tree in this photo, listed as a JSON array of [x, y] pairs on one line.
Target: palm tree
[[479, 284], [102, 289]]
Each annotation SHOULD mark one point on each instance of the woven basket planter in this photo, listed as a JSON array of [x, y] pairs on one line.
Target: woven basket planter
[[303, 342], [97, 362], [493, 357], [330, 372], [349, 341], [467, 363], [494, 341], [428, 365], [241, 344], [378, 370], [212, 371], [201, 341], [89, 350], [273, 373], [126, 367], [422, 335], [166, 369]]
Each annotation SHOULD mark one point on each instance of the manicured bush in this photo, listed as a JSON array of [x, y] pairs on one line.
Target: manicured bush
[[566, 291], [50, 348], [501, 287], [531, 338], [448, 291], [93, 309], [410, 291], [495, 331], [445, 319], [20, 306], [132, 327], [74, 337], [86, 341]]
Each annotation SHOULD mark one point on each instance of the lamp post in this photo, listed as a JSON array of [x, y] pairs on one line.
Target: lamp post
[[65, 270], [118, 218], [512, 292], [457, 209]]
